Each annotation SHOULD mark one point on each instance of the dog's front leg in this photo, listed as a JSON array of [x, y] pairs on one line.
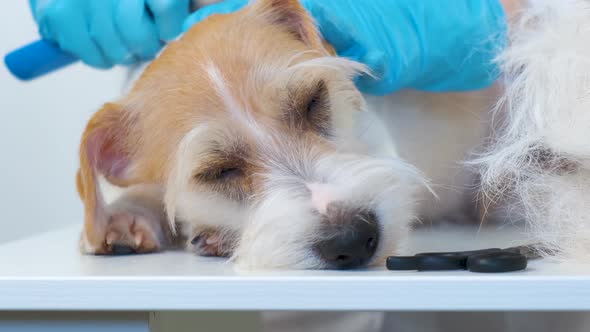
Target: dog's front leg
[[210, 224], [137, 222], [133, 223]]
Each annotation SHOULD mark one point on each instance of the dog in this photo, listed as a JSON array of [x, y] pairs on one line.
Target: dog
[[247, 138]]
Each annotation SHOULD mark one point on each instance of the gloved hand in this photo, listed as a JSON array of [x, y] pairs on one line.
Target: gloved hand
[[428, 45], [103, 33]]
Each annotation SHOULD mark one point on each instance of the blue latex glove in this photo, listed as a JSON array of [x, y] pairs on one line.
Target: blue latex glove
[[431, 45], [103, 33]]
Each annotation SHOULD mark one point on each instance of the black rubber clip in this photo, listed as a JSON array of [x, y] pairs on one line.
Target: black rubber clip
[[493, 260]]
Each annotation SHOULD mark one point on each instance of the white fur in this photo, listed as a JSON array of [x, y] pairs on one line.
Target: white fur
[[238, 110], [186, 157], [283, 227], [279, 228], [223, 90], [546, 105], [209, 209], [343, 65], [84, 245]]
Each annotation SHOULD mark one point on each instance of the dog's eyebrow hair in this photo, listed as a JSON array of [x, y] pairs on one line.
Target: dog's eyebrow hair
[[235, 150], [348, 67]]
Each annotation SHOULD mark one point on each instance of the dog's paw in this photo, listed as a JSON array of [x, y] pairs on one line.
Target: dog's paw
[[207, 241], [128, 228], [128, 233]]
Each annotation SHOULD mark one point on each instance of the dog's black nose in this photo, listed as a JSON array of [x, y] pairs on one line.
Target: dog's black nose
[[349, 238]]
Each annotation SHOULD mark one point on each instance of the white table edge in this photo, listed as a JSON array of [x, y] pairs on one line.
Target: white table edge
[[435, 293]]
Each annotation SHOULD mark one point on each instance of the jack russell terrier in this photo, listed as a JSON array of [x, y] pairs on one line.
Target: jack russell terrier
[[247, 138]]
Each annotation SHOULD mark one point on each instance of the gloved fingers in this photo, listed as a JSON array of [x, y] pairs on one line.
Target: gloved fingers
[[348, 41], [137, 29], [169, 16], [339, 33], [67, 27], [103, 31], [38, 7], [224, 7]]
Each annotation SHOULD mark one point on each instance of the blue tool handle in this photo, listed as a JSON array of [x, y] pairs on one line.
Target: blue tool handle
[[37, 59]]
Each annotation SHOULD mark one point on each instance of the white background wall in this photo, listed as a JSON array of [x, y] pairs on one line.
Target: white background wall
[[40, 127]]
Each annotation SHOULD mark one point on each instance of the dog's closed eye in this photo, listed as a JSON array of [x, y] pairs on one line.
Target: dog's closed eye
[[229, 173], [224, 170], [219, 173], [228, 180]]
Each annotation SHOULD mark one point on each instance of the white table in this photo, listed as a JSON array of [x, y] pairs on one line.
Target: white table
[[45, 274]]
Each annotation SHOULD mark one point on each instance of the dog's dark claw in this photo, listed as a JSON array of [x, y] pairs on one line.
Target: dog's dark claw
[[121, 249], [196, 239]]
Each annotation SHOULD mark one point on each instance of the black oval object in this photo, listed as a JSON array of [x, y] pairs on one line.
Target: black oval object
[[460, 253], [441, 262], [497, 262], [402, 263]]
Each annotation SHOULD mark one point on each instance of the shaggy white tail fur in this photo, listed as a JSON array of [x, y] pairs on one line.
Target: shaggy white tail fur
[[541, 156]]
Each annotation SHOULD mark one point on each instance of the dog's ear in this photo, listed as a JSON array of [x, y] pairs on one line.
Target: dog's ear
[[106, 150], [290, 15]]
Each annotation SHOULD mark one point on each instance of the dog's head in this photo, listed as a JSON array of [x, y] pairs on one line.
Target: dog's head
[[249, 123]]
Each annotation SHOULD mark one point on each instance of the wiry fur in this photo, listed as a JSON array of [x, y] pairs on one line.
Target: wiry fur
[[539, 159], [231, 88], [280, 114], [284, 215]]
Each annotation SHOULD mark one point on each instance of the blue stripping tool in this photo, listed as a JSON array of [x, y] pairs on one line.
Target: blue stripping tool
[[37, 59]]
